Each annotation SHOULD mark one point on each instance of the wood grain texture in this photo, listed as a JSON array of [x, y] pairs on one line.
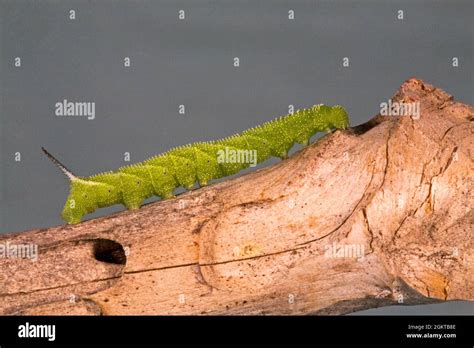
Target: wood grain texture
[[396, 188]]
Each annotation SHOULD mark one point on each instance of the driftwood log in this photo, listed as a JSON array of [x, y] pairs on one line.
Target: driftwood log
[[376, 215]]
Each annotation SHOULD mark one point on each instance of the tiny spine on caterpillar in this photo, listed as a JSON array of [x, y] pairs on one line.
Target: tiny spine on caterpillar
[[199, 162]]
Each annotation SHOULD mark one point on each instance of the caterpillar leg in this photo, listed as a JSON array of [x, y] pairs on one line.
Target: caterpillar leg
[[167, 195], [133, 205], [135, 189], [132, 200], [71, 215]]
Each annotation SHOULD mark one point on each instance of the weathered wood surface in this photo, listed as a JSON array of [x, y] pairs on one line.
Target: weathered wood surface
[[397, 189]]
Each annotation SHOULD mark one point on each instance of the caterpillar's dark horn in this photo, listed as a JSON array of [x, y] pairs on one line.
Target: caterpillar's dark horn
[[61, 166]]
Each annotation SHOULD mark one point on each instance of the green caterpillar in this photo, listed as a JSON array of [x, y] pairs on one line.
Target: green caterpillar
[[199, 162]]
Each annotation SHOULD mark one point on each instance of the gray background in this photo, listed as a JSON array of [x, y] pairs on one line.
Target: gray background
[[190, 62]]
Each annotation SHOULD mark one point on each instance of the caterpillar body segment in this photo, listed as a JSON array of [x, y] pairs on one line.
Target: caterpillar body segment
[[201, 162]]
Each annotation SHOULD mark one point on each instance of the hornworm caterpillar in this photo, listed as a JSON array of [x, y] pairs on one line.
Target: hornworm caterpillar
[[199, 162]]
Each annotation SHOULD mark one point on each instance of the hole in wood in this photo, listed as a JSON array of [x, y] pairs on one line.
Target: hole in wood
[[107, 250]]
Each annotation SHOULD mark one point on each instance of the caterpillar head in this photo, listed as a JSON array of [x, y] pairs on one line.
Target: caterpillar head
[[85, 196], [338, 118]]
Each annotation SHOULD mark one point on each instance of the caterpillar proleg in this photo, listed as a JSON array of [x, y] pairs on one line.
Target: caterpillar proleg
[[200, 162]]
